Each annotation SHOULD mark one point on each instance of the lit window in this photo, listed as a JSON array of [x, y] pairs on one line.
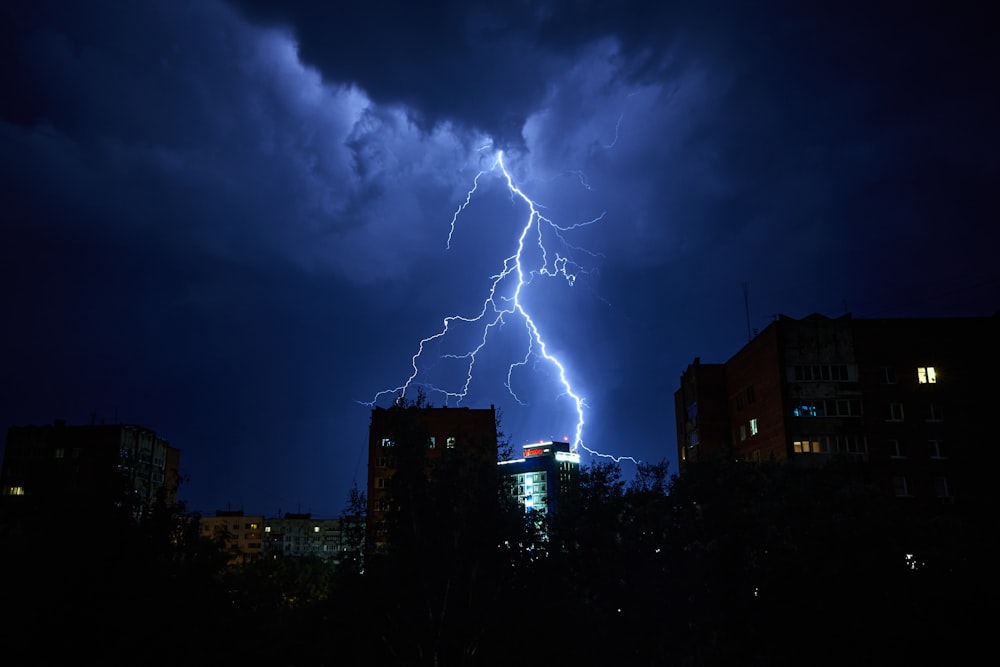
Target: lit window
[[806, 446], [431, 442], [926, 375], [13, 491], [804, 410], [315, 529], [267, 529], [753, 427], [451, 442], [388, 442]]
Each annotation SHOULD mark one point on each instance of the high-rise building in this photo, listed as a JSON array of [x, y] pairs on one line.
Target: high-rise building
[[543, 476], [60, 466], [419, 438], [912, 398]]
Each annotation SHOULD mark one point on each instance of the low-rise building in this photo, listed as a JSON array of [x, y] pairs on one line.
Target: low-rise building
[[240, 535]]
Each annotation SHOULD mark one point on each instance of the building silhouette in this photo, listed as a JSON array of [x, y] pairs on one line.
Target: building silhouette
[[410, 443], [61, 466], [911, 398]]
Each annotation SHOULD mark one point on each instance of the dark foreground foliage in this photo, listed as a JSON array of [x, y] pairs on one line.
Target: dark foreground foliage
[[729, 564]]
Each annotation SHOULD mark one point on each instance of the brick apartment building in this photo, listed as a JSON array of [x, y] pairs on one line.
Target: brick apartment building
[[423, 436], [910, 397]]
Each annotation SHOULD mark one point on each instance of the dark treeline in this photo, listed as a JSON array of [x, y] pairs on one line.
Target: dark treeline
[[728, 564]]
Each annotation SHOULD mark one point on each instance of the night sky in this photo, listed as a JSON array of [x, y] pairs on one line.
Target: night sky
[[230, 221]]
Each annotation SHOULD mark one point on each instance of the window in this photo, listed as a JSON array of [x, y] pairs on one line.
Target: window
[[941, 487], [13, 490], [821, 373], [431, 442], [315, 529], [451, 442], [896, 449], [693, 439], [388, 442], [888, 375], [806, 446], [804, 410], [60, 453], [937, 449], [829, 407], [743, 431], [753, 427], [895, 413], [751, 397], [926, 375], [936, 413], [900, 486], [852, 444], [846, 407], [380, 482], [692, 413]]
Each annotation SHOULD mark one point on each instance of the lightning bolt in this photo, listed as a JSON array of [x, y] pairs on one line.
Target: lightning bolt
[[497, 306]]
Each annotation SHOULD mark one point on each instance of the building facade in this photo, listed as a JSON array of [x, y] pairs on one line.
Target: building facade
[[909, 397], [299, 535], [60, 465], [295, 535], [545, 474], [240, 535], [417, 439]]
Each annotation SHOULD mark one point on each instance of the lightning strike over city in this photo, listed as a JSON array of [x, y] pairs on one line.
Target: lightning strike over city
[[504, 300]]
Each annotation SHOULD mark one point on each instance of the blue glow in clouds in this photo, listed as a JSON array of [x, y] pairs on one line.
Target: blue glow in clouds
[[504, 301]]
